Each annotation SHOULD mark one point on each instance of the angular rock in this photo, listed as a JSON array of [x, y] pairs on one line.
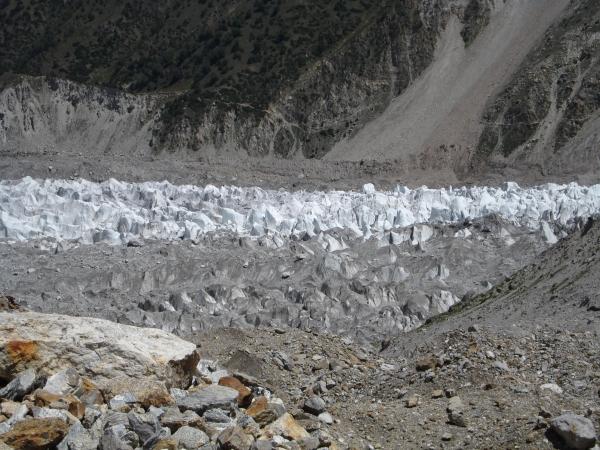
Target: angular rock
[[146, 392], [96, 347], [314, 405], [234, 438], [78, 438], [43, 398], [265, 412], [175, 419], [34, 434], [166, 444], [144, 425], [118, 437], [65, 382], [207, 398], [576, 431], [244, 393], [190, 438], [326, 418], [287, 427], [21, 385]]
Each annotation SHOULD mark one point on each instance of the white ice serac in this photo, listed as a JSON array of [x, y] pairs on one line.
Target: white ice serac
[[116, 212]]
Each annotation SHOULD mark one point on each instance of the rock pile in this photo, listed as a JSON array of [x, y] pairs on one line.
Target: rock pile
[[169, 400]]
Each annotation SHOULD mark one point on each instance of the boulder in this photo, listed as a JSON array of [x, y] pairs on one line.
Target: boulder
[[65, 382], [174, 419], [189, 437], [36, 434], [21, 385], [576, 431], [314, 405], [98, 348], [78, 438], [265, 412], [145, 425], [212, 396], [244, 393], [146, 392], [287, 427], [234, 438]]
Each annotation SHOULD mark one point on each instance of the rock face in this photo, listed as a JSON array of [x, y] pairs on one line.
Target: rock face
[[382, 57], [92, 346]]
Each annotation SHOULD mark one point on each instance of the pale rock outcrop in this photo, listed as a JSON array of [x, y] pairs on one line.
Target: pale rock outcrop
[[95, 347]]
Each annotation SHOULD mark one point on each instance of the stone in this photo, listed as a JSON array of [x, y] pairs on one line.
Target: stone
[[21, 385], [234, 438], [146, 392], [34, 434], [412, 401], [455, 410], [314, 405], [212, 396], [437, 393], [501, 366], [78, 438], [145, 425], [310, 443], [552, 387], [265, 412], [326, 418], [64, 382], [446, 437], [244, 393], [166, 444], [118, 437], [9, 408], [19, 414], [216, 416], [48, 413], [284, 361], [190, 438], [98, 348], [576, 431], [43, 398], [287, 427], [174, 419], [122, 402]]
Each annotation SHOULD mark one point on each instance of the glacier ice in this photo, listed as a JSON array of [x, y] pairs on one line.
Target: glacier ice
[[116, 212]]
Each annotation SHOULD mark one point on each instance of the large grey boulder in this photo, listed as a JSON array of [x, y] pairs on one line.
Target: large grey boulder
[[190, 438], [212, 396], [78, 438], [21, 385], [98, 348], [576, 431], [145, 425]]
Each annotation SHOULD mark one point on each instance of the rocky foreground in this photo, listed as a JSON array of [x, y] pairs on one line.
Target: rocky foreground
[[81, 383]]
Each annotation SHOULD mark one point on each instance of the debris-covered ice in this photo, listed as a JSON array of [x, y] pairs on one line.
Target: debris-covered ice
[[115, 211]]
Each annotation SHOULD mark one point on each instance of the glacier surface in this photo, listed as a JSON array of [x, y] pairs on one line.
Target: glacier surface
[[116, 212]]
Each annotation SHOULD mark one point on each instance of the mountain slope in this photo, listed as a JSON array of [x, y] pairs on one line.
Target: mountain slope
[[474, 85]]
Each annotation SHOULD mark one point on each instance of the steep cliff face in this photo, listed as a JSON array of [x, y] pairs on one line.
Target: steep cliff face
[[40, 115]]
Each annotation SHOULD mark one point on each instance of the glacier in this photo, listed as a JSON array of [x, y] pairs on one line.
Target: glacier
[[116, 212]]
